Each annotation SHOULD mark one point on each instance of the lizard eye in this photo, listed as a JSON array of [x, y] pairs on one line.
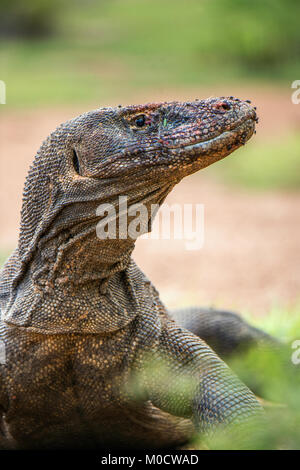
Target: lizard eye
[[140, 121]]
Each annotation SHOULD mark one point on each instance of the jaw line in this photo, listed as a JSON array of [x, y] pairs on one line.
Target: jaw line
[[245, 126]]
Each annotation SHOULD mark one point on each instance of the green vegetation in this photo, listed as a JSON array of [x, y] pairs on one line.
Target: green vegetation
[[283, 323], [98, 47], [267, 165], [273, 376], [33, 18]]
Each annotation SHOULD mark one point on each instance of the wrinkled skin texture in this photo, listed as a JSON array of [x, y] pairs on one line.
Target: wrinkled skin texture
[[79, 320]]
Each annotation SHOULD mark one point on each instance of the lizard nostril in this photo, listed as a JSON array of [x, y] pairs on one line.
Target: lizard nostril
[[223, 106], [226, 106]]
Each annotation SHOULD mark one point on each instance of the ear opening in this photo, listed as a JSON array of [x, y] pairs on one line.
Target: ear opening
[[76, 163]]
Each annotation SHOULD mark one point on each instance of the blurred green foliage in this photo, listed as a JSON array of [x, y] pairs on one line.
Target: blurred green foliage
[[33, 18], [273, 376], [97, 47], [283, 323]]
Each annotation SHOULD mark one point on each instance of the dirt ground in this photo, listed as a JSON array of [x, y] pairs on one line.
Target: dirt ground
[[250, 259]]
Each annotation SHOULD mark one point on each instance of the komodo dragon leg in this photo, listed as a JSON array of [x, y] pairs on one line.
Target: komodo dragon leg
[[191, 381], [232, 338]]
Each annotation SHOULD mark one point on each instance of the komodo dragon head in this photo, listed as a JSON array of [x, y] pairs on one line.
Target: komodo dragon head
[[158, 141], [139, 152], [75, 183]]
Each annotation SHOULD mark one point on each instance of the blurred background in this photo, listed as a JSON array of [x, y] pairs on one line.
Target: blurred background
[[61, 58]]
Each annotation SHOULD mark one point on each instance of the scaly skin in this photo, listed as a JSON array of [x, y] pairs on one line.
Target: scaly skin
[[79, 319]]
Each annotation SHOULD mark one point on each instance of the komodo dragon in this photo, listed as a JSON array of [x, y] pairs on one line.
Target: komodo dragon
[[80, 322]]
